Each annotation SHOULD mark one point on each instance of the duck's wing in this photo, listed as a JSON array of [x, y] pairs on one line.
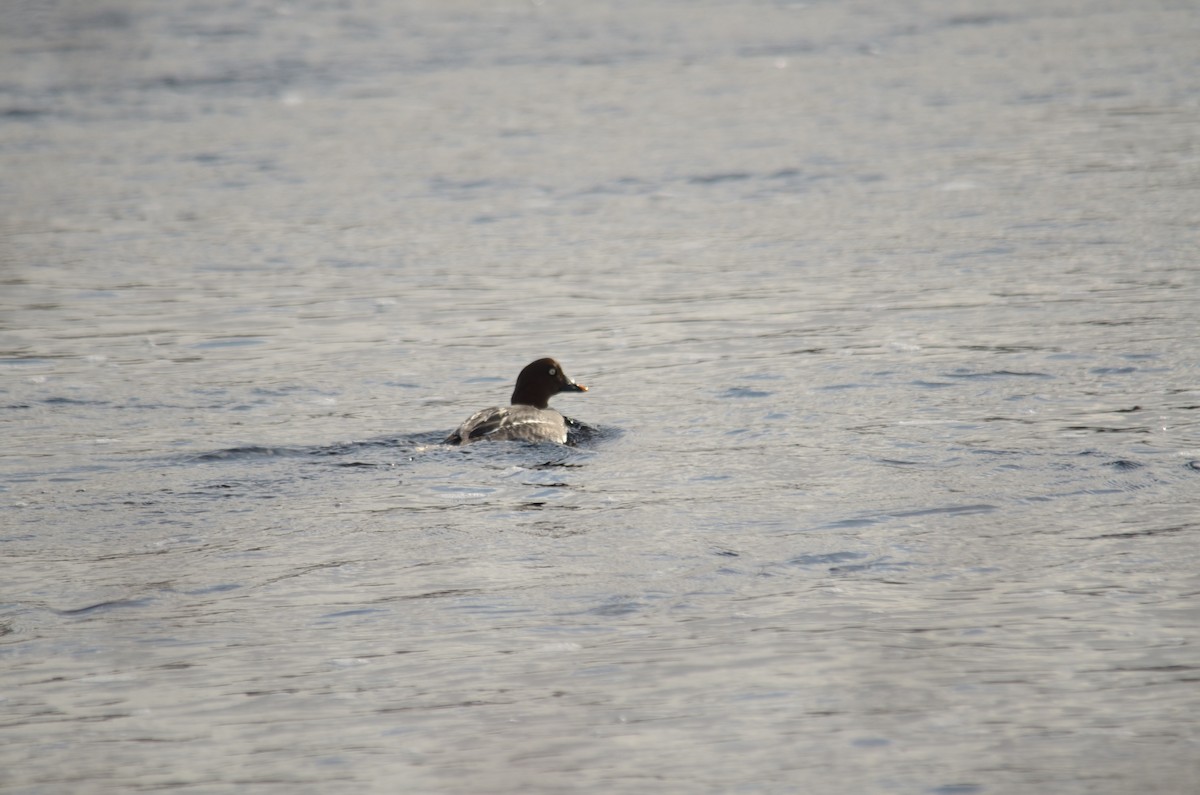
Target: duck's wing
[[478, 425]]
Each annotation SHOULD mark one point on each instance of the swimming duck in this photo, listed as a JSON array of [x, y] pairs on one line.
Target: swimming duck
[[529, 418]]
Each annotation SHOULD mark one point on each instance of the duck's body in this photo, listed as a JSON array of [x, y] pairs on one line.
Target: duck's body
[[529, 418], [512, 424]]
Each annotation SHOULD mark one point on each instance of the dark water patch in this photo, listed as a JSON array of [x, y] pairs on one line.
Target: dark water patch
[[219, 588], [611, 58], [879, 564], [994, 450], [880, 518], [828, 559], [982, 19], [444, 185], [1163, 669], [953, 510], [1037, 98], [228, 342], [956, 789], [362, 611], [133, 403], [1004, 348], [439, 594], [1153, 531], [1105, 429], [1125, 465], [743, 392], [250, 452], [616, 607], [525, 454], [1113, 370], [536, 499], [66, 401], [786, 180], [1060, 495], [931, 384], [259, 489], [216, 31], [582, 434], [264, 81], [24, 114], [102, 607], [846, 524], [103, 19], [623, 186], [790, 49], [713, 179], [342, 263], [407, 444], [1122, 322], [411, 440], [961, 373], [990, 251]]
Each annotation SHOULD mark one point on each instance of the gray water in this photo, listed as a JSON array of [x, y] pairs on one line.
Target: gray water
[[888, 313]]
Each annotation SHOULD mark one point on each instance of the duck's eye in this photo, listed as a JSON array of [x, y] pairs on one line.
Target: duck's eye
[[553, 371]]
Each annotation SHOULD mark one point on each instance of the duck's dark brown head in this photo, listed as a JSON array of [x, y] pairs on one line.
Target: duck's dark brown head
[[540, 381]]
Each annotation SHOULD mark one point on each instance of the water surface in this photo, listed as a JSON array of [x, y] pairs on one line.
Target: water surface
[[888, 314]]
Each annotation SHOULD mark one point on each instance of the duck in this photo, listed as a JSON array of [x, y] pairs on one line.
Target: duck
[[529, 418]]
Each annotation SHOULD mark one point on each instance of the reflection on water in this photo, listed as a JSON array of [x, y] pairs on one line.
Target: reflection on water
[[884, 481]]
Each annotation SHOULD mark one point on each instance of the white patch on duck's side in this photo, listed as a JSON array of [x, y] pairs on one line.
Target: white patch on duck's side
[[524, 429]]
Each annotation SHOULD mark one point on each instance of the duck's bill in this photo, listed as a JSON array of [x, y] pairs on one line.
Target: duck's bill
[[574, 387]]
